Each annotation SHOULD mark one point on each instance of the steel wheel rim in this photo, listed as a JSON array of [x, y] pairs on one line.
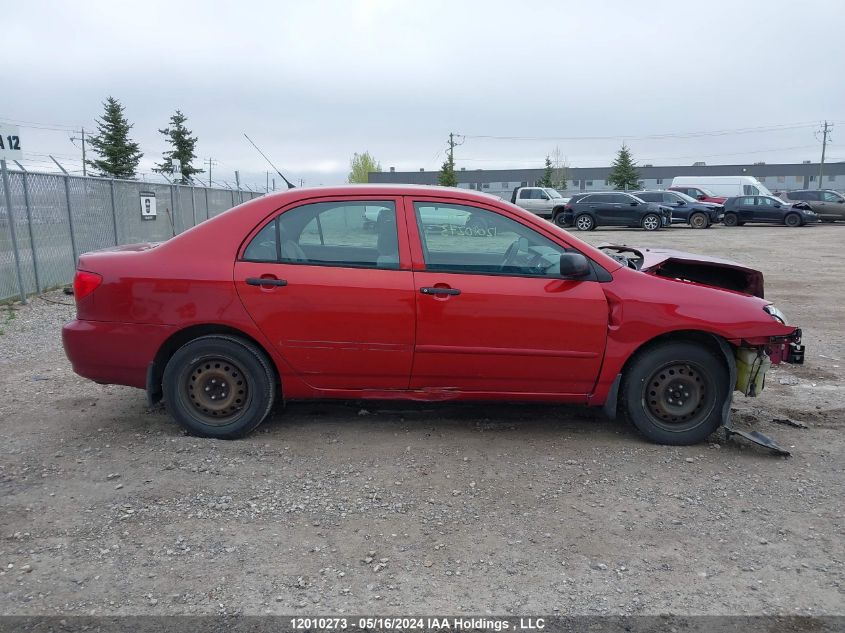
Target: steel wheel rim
[[792, 220], [698, 222], [584, 223], [730, 220], [651, 222], [676, 396], [217, 389]]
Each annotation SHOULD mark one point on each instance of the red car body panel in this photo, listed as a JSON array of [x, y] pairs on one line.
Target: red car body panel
[[344, 332]]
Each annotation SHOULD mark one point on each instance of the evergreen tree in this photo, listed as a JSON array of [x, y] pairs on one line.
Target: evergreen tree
[[548, 172], [624, 174], [447, 177], [183, 144], [118, 154], [361, 165]]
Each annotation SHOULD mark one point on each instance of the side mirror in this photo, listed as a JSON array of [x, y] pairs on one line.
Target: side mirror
[[574, 265], [635, 203], [679, 203], [777, 205]]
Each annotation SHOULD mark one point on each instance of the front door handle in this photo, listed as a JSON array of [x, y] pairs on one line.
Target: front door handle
[[439, 291], [261, 281]]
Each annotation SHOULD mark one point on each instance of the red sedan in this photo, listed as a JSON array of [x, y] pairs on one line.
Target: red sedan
[[418, 293]]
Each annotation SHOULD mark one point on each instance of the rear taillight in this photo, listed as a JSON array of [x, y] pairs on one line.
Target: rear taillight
[[84, 283]]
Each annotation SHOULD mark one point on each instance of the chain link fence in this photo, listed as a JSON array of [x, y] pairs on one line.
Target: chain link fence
[[53, 218]]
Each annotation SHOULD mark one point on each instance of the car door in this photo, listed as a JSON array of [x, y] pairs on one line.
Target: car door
[[767, 210], [627, 210], [832, 206], [745, 208], [607, 209], [527, 200], [493, 314], [329, 284], [680, 208]]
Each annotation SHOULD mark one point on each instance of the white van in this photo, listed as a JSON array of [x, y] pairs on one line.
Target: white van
[[724, 185]]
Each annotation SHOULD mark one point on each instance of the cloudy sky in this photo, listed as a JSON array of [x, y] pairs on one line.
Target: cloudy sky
[[314, 82]]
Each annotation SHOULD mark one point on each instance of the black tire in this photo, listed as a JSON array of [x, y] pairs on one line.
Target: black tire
[[224, 367], [699, 221], [674, 392], [560, 220], [585, 222], [792, 220], [730, 219], [650, 222]]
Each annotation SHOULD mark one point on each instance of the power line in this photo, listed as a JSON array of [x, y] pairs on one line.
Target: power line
[[40, 126]]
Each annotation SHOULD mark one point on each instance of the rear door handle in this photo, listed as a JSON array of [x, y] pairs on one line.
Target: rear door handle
[[439, 291], [260, 281]]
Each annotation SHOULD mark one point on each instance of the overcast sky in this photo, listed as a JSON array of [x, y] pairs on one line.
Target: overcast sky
[[314, 82]]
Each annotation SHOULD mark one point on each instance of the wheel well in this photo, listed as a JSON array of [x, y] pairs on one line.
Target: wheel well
[[708, 340], [186, 335]]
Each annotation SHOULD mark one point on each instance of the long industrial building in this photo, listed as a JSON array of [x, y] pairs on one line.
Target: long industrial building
[[776, 177]]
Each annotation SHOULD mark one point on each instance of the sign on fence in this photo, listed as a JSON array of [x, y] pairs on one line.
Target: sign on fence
[[148, 205], [10, 142]]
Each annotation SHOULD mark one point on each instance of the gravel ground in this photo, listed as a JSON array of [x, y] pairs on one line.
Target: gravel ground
[[107, 508]]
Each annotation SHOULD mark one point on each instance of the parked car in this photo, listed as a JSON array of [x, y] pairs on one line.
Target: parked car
[[287, 297], [543, 201], [768, 210], [724, 185], [685, 210], [586, 211], [700, 193], [828, 204]]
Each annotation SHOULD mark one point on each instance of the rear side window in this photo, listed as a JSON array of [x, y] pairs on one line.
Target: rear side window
[[525, 194], [264, 247], [346, 233], [649, 197], [745, 202]]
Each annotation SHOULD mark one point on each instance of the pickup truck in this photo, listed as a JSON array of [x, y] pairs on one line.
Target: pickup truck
[[542, 201]]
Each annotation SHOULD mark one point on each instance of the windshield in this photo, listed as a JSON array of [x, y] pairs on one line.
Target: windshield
[[553, 194]]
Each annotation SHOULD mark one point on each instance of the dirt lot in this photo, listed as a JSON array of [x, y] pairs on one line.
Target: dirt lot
[[107, 508]]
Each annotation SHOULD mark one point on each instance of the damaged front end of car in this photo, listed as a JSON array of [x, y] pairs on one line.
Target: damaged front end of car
[[748, 359]]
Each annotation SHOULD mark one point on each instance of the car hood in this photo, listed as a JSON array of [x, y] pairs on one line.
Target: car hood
[[702, 269]]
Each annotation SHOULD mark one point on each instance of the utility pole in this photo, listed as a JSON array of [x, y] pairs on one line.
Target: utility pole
[[452, 149], [825, 131], [210, 162], [82, 138]]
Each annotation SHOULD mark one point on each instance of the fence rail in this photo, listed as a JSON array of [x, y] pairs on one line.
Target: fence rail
[[53, 218]]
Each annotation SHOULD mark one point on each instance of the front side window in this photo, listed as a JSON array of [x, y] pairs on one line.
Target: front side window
[[750, 190], [669, 198], [831, 197], [525, 193], [462, 239], [345, 233], [650, 197], [766, 202]]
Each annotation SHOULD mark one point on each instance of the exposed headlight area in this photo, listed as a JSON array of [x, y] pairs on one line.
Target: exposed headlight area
[[776, 314]]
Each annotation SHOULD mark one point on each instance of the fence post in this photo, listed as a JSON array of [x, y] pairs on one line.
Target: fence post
[[7, 190], [172, 211], [194, 204], [70, 221], [26, 202], [114, 214], [232, 191], [207, 210]]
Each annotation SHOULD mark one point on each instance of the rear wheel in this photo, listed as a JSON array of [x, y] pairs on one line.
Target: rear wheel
[[792, 220], [674, 392], [585, 223], [219, 386], [651, 222], [699, 221], [730, 219]]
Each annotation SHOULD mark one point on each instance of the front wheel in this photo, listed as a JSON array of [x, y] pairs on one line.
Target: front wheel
[[792, 220], [674, 392], [651, 222], [219, 386], [699, 221], [585, 223], [730, 219], [560, 220]]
